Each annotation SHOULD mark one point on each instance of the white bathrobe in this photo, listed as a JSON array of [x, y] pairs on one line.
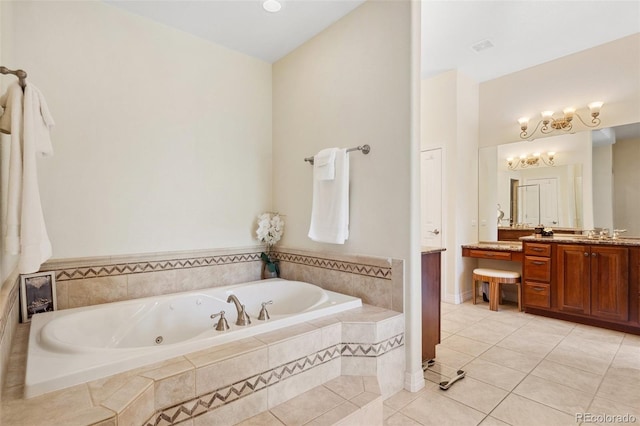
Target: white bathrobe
[[27, 118]]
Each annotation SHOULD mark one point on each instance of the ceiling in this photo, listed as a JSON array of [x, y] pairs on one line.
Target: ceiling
[[523, 33]]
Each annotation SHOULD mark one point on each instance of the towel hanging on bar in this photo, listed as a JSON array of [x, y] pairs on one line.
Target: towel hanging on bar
[[364, 148], [330, 203]]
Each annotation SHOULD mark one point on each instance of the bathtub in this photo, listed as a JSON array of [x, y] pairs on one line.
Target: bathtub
[[75, 346]]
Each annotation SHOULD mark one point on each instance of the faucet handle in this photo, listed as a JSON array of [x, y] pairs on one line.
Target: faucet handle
[[264, 315], [617, 232], [223, 325]]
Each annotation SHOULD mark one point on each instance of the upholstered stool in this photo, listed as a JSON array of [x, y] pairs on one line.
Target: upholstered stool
[[495, 277]]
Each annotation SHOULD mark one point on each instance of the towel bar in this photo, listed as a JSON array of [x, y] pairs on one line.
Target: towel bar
[[18, 73], [364, 148]]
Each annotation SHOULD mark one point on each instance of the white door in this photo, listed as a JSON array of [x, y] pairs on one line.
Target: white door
[[548, 200], [431, 197], [529, 204]]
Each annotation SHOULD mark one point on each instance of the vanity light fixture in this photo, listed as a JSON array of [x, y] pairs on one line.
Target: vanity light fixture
[[550, 123], [527, 160], [272, 6]]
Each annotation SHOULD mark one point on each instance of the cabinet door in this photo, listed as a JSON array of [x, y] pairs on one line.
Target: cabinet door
[[610, 283], [430, 304], [573, 278]]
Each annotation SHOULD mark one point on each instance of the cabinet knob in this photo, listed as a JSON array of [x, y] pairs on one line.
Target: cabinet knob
[[586, 254], [594, 254]]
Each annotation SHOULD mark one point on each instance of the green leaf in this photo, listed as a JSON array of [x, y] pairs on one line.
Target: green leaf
[[271, 267], [264, 257]]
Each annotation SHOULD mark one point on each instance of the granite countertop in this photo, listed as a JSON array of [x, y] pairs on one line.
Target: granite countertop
[[531, 228], [429, 250], [513, 246], [583, 239]]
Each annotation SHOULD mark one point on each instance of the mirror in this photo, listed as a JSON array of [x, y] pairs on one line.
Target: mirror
[[592, 183]]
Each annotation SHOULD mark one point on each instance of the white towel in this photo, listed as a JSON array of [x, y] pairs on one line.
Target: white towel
[[30, 125], [11, 123], [330, 209], [324, 164]]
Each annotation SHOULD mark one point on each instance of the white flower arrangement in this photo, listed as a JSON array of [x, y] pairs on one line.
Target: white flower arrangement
[[270, 228]]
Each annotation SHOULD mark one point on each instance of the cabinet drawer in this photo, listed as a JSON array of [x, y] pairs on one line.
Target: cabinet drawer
[[537, 268], [489, 254], [537, 294], [537, 249]]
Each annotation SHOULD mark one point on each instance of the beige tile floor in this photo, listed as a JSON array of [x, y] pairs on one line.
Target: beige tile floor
[[523, 369]]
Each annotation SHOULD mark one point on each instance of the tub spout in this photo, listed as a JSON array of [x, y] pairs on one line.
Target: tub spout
[[243, 317]]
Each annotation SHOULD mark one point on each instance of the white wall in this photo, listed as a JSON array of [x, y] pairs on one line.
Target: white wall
[[450, 121], [607, 73], [162, 140], [348, 86]]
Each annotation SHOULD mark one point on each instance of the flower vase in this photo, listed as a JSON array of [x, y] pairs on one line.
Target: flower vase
[[266, 273]]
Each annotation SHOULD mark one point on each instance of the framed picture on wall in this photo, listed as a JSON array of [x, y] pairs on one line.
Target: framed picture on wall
[[37, 294]]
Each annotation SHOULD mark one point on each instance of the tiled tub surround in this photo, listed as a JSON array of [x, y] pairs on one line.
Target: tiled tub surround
[[229, 383], [96, 280], [77, 345], [377, 281]]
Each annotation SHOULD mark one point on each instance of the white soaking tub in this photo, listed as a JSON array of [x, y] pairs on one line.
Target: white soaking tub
[[74, 346]]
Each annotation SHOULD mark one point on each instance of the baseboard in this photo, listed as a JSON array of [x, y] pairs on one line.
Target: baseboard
[[413, 382]]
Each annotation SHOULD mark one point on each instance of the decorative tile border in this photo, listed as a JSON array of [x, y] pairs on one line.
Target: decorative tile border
[[152, 266], [383, 272], [372, 350], [225, 395], [78, 273]]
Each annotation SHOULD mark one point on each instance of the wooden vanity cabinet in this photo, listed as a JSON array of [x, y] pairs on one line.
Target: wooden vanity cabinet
[[634, 284], [537, 275], [593, 280], [430, 303], [596, 284]]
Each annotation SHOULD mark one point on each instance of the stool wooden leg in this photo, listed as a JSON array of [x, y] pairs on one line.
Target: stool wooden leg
[[519, 297], [494, 289], [475, 289]]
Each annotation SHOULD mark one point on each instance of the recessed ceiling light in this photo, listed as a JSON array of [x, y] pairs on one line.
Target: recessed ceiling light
[[272, 6], [482, 45]]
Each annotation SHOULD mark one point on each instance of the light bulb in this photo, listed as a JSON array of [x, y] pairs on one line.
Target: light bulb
[[594, 107], [524, 123]]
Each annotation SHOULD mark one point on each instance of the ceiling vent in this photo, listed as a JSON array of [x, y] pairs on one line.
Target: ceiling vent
[[482, 45]]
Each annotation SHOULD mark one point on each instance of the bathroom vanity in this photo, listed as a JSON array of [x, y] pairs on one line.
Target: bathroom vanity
[[494, 250], [591, 281]]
